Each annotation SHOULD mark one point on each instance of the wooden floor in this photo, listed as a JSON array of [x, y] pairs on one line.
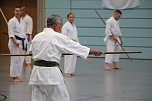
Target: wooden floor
[[133, 82]]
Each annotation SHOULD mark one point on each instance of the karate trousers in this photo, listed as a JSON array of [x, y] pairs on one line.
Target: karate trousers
[[112, 57], [50, 92], [16, 63], [69, 63], [28, 58]]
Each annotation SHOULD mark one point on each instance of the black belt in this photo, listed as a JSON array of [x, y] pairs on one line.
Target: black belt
[[46, 63]]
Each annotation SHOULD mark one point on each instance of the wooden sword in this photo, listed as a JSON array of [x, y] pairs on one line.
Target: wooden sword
[[118, 52]]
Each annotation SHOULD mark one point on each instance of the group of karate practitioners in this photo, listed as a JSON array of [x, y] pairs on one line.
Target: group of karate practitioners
[[47, 47]]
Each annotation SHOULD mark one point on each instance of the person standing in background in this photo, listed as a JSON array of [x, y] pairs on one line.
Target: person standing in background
[[16, 44], [69, 29], [28, 27], [113, 36]]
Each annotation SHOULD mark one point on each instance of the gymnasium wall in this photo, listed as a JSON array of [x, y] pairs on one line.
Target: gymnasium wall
[[136, 24]]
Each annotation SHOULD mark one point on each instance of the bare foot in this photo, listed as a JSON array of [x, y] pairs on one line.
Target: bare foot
[[115, 66], [67, 75], [16, 81], [72, 74], [20, 80], [107, 68]]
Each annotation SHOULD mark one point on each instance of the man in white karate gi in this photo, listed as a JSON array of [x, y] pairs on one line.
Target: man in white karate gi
[[47, 47], [16, 44], [69, 29], [28, 27], [112, 27]]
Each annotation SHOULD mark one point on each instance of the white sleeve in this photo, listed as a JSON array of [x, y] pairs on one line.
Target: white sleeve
[[29, 25], [70, 46], [108, 28], [11, 27], [30, 49], [118, 29]]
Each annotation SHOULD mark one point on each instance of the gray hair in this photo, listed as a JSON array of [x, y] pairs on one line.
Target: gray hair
[[53, 19]]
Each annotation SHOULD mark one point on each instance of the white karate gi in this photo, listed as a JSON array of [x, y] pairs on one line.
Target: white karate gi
[[70, 30], [16, 28], [47, 82], [28, 27], [112, 26]]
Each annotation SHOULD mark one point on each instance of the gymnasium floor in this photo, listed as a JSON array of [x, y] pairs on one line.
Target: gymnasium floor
[[133, 82]]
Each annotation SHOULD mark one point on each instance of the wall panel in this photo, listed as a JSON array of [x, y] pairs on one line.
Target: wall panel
[[136, 24]]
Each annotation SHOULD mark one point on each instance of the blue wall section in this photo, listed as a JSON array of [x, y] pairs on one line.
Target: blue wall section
[[136, 24]]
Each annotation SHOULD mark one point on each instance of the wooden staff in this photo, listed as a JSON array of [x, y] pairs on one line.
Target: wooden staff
[[118, 52], [3, 15], [87, 60], [123, 52], [113, 36]]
